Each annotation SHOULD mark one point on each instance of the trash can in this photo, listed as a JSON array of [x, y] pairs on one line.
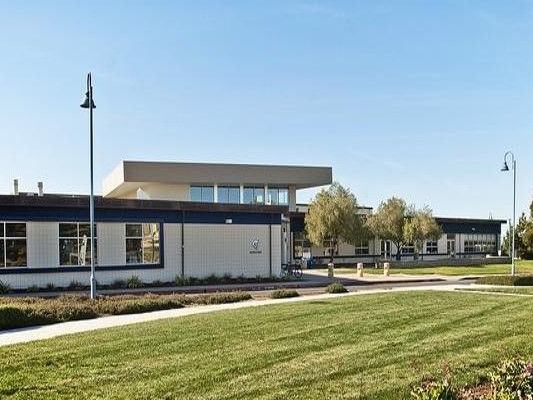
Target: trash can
[[359, 269], [386, 269], [331, 267]]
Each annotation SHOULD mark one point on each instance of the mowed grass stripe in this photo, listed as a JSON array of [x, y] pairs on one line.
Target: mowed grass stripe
[[371, 346]]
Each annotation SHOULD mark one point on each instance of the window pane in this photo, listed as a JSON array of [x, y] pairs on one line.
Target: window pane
[[1, 229], [15, 230], [85, 249], [134, 230], [68, 230], [85, 230], [259, 195], [283, 196], [151, 243], [248, 195], [208, 194], [195, 193], [133, 251], [68, 252], [2, 261], [222, 194], [273, 196], [16, 252], [234, 195]]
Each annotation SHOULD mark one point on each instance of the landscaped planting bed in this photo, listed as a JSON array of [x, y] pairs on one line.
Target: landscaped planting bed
[[30, 311], [376, 346]]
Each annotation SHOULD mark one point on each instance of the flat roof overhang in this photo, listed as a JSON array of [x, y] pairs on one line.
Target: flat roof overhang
[[130, 175]]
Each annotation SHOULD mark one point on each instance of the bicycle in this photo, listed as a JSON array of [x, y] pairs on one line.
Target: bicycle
[[294, 270]]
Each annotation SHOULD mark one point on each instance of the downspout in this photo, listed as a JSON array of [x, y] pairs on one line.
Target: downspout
[[270, 246]]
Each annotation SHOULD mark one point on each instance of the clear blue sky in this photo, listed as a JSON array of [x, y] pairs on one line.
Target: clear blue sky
[[413, 99]]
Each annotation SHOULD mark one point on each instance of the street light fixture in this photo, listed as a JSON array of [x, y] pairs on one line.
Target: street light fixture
[[89, 103], [505, 168]]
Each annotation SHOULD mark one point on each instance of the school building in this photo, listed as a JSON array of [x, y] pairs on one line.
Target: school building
[[160, 220]]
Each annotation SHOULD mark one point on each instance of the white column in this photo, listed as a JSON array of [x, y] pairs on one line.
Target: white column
[[241, 193], [215, 190], [266, 195]]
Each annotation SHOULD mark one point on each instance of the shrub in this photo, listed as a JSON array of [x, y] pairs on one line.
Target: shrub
[[433, 390], [76, 285], [50, 286], [336, 288], [217, 298], [157, 283], [506, 280], [118, 284], [226, 278], [192, 280], [179, 280], [513, 380], [5, 287], [283, 293], [134, 282], [212, 279], [33, 289]]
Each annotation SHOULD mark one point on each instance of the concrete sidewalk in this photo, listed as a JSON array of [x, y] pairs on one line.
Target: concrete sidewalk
[[30, 334]]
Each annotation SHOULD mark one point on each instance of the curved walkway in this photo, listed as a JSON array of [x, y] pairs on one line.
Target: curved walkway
[[29, 334]]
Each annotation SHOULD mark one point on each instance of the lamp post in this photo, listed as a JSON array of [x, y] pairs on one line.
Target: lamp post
[[505, 168], [89, 103]]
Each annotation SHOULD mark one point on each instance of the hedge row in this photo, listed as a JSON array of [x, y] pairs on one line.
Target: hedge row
[[31, 311], [506, 280]]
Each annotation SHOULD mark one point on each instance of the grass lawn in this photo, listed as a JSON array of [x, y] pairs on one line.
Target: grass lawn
[[522, 267], [526, 290], [357, 347]]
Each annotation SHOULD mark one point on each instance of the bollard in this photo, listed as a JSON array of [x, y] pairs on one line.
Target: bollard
[[386, 269], [331, 266], [359, 270]]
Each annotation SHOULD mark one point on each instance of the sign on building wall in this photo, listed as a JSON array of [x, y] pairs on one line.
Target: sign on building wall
[[255, 246]]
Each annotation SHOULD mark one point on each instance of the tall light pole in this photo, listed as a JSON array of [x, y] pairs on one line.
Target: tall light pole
[[89, 103], [506, 168]]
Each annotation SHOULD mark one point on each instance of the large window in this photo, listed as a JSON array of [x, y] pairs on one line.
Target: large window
[[278, 196], [254, 195], [229, 194], [142, 243], [301, 245], [362, 248], [75, 243], [204, 194], [13, 244], [408, 248], [479, 243], [431, 247]]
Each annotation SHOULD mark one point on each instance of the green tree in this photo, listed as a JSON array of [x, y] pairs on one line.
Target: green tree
[[333, 217], [523, 238], [388, 222], [400, 223], [420, 227]]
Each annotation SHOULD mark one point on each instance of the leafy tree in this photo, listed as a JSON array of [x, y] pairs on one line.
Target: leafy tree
[[388, 222], [400, 223], [333, 216], [523, 238], [420, 227]]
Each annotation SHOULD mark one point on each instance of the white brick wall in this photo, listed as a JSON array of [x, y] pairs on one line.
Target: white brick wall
[[219, 249], [111, 243], [42, 241]]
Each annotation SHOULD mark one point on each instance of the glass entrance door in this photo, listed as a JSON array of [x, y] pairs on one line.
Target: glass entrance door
[[385, 249], [450, 248]]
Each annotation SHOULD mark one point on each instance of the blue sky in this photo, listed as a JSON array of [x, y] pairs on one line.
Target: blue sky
[[412, 99]]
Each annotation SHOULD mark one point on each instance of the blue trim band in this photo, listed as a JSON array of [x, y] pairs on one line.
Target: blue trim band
[[47, 270], [68, 214]]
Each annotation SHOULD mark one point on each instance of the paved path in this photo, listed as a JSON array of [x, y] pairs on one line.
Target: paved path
[[49, 331]]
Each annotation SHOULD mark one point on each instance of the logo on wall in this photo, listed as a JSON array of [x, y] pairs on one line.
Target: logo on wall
[[255, 246]]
